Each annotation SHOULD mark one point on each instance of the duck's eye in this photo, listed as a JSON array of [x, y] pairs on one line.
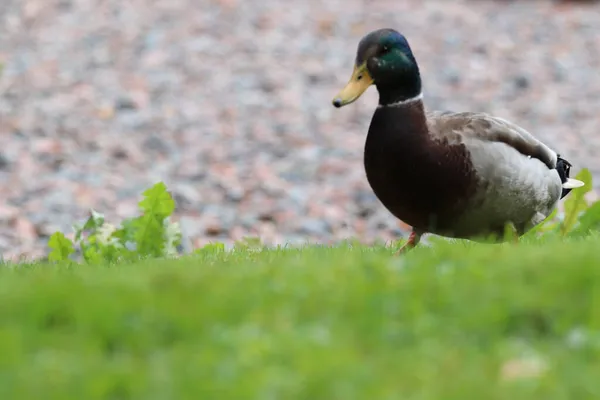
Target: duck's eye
[[385, 49]]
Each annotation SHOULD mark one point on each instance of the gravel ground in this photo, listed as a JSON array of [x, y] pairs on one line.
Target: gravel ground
[[228, 102]]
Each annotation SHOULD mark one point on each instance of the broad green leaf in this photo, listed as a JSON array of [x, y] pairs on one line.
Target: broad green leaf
[[576, 201], [126, 232], [149, 235], [91, 255], [158, 201], [588, 221], [156, 205], [61, 246], [94, 221]]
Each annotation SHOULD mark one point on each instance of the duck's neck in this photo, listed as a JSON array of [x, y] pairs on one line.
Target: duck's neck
[[403, 89], [404, 120], [405, 102]]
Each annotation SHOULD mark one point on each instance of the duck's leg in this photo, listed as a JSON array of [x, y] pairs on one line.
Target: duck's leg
[[413, 240]]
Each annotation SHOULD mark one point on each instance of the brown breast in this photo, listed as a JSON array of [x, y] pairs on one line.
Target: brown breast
[[423, 181]]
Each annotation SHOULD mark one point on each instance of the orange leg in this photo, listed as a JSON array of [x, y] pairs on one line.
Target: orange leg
[[413, 240]]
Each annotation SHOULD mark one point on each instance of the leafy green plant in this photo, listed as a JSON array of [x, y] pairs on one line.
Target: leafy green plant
[[579, 216], [576, 203], [61, 247], [149, 235]]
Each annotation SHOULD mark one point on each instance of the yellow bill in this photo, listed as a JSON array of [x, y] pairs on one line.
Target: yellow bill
[[356, 86]]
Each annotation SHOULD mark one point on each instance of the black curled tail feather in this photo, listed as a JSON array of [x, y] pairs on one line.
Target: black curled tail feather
[[564, 169]]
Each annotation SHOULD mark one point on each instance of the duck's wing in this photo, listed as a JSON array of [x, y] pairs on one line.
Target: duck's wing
[[469, 125], [464, 126]]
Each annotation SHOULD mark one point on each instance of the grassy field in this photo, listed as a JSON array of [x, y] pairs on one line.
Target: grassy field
[[452, 321]]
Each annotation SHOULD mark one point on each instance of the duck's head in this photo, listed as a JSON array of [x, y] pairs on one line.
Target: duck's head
[[384, 59]]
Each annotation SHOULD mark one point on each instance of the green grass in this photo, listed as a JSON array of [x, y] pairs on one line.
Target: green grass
[[453, 321]]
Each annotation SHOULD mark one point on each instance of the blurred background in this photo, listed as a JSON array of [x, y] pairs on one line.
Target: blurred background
[[229, 103]]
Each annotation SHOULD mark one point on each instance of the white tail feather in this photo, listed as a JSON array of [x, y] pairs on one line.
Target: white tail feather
[[572, 184]]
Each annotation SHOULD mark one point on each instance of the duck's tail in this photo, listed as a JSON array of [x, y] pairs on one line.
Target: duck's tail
[[564, 169]]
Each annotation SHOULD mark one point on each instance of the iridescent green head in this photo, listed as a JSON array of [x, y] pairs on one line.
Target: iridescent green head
[[384, 59]]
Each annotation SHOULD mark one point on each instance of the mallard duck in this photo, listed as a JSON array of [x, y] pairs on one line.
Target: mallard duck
[[464, 175]]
